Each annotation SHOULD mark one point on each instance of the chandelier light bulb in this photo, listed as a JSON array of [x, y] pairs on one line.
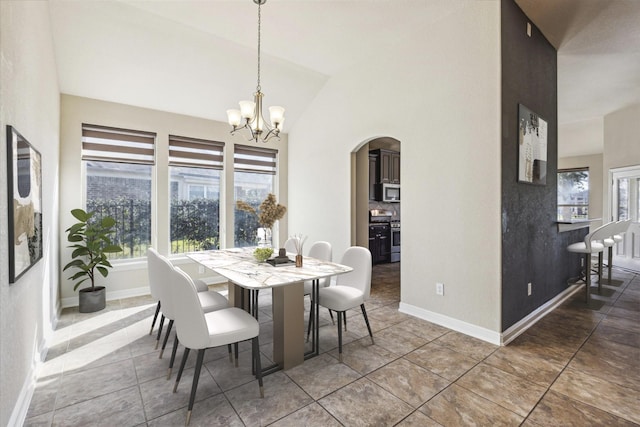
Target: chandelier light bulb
[[234, 117], [247, 109], [276, 114]]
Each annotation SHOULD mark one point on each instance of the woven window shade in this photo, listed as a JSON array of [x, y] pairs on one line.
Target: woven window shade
[[253, 159], [193, 152], [109, 144]]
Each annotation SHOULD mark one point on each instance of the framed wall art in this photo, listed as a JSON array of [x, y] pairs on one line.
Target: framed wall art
[[532, 147], [24, 169]]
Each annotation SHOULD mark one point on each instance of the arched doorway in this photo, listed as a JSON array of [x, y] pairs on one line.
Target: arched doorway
[[367, 176]]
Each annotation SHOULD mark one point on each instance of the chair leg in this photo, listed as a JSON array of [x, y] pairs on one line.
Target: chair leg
[[185, 356], [610, 265], [599, 272], [333, 322], [159, 331], [166, 338], [588, 276], [155, 317], [173, 356], [194, 386], [340, 336], [310, 321], [344, 315], [235, 347], [230, 353], [256, 360], [366, 320]]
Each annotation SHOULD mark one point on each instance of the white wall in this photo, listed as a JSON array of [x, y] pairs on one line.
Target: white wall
[[621, 143], [129, 278], [581, 138], [439, 95], [29, 101]]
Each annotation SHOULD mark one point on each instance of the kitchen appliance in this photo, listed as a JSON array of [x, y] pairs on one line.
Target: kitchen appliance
[[389, 193], [395, 241]]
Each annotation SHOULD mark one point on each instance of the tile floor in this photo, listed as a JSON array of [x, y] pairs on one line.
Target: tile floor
[[577, 366]]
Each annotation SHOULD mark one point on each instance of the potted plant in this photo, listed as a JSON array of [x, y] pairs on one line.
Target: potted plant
[[91, 244]]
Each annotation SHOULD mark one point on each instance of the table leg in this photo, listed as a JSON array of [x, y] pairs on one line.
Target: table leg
[[288, 325]]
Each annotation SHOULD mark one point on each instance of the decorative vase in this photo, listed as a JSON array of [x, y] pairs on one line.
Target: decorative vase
[[264, 237], [298, 260]]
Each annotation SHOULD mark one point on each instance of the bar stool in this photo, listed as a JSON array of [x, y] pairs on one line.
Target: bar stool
[[588, 247], [618, 229]]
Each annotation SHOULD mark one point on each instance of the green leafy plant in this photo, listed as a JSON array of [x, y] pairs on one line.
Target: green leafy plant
[[262, 254], [91, 244]]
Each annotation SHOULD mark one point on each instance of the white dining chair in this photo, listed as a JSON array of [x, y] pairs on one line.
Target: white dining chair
[[290, 245], [197, 330], [319, 250], [207, 299], [161, 272], [351, 290]]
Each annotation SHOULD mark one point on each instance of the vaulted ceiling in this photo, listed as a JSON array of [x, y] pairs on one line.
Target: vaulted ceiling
[[199, 57]]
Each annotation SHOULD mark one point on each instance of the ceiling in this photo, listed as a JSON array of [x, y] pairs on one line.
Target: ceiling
[[173, 55]]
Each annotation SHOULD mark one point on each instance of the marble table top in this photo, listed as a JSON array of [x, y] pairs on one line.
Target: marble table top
[[239, 266]]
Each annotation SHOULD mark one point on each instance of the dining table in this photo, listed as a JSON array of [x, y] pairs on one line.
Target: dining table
[[247, 276]]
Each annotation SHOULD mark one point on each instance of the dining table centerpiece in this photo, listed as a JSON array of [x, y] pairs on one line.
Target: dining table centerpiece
[[267, 214]]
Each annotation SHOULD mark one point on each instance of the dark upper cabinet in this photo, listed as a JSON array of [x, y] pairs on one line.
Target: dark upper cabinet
[[387, 169], [373, 164]]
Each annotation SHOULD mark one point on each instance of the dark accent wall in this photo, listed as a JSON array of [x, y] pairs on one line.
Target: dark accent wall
[[532, 249]]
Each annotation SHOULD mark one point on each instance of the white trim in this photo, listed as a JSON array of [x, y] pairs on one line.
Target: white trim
[[487, 335], [518, 328], [475, 331], [20, 409], [134, 292]]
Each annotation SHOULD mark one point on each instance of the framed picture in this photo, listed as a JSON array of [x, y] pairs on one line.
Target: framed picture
[[532, 147], [25, 204]]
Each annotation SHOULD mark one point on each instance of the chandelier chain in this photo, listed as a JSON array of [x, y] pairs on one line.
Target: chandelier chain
[[259, 21]]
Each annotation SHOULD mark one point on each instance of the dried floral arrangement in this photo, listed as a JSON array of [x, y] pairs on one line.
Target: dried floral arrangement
[[270, 210], [298, 242]]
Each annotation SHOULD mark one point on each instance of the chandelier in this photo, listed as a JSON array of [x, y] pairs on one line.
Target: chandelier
[[249, 116]]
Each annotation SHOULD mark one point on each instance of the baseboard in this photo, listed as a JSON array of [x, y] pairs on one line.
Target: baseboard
[[518, 328], [487, 335], [475, 331], [133, 292]]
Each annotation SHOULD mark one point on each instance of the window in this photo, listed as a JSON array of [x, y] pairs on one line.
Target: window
[[194, 173], [254, 172], [573, 194], [118, 165]]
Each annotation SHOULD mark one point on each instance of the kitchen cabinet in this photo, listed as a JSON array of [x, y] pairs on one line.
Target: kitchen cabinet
[[387, 166], [380, 243], [373, 164]]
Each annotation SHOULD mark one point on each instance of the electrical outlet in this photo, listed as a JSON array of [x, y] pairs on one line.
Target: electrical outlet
[[439, 288], [201, 269], [529, 289]]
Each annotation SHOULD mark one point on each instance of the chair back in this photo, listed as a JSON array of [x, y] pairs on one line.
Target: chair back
[[322, 250], [152, 274], [622, 226], [599, 234], [358, 258], [290, 245], [191, 325], [160, 271]]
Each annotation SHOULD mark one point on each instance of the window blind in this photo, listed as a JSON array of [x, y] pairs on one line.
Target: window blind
[[254, 159], [110, 144], [193, 152]]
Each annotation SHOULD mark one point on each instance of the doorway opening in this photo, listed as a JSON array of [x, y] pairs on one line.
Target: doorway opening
[[624, 204]]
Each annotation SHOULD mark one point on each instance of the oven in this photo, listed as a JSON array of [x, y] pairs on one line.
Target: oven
[[395, 241]]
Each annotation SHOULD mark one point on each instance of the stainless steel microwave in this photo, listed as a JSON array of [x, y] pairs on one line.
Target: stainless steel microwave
[[389, 193]]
